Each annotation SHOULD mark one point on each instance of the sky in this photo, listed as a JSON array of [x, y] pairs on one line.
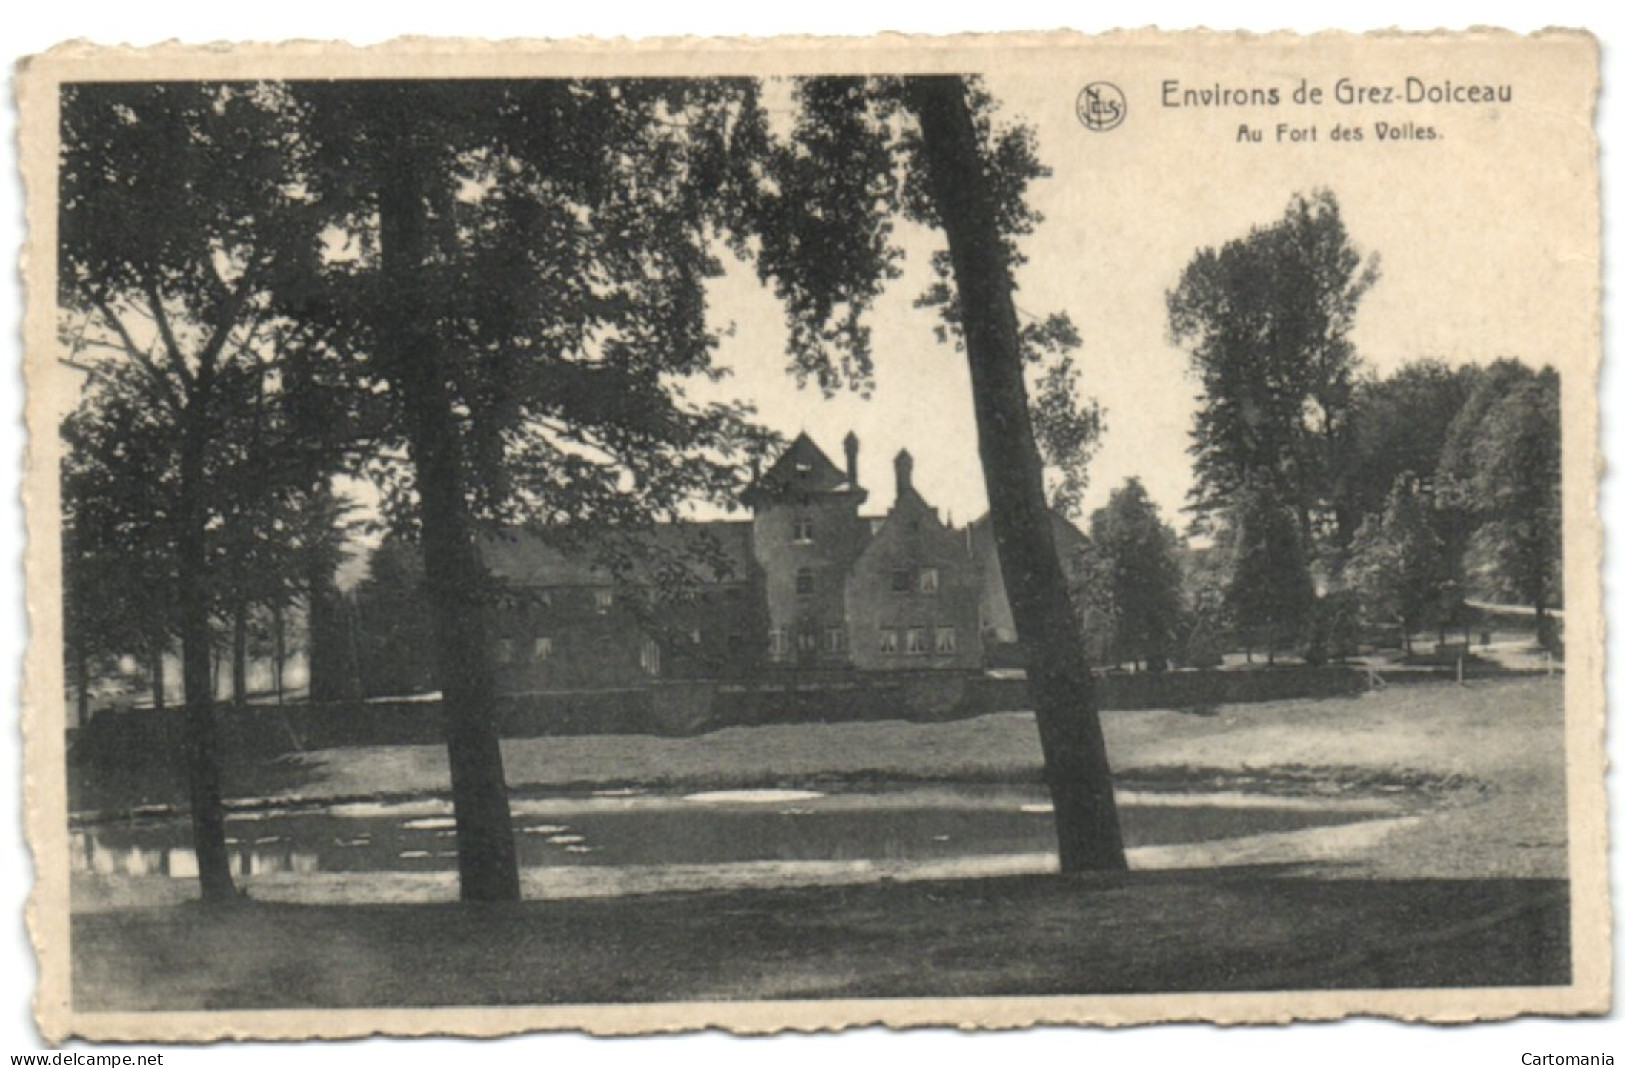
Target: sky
[[1482, 253]]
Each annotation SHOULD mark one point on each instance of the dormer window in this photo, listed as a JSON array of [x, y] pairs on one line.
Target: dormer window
[[802, 531]]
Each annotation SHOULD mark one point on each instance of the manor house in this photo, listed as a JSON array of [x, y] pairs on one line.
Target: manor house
[[808, 583]]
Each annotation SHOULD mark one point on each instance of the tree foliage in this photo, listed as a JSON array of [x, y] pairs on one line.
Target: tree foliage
[[1270, 593], [1397, 562], [1400, 427], [1136, 551], [505, 280], [1266, 320], [931, 149], [397, 641], [1511, 474], [179, 212]]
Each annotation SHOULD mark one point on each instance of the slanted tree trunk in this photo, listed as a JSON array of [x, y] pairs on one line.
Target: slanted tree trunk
[[486, 863], [197, 665], [1062, 687]]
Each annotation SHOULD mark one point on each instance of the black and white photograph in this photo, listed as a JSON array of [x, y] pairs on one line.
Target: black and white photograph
[[975, 533]]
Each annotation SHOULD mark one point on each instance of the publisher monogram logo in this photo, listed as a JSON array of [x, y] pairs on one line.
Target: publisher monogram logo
[[1101, 106]]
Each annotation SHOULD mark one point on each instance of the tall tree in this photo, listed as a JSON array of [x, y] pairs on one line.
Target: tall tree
[[862, 152], [1397, 562], [118, 530], [966, 198], [1400, 425], [1266, 319], [530, 289], [396, 639], [1137, 550], [1270, 592], [1513, 487], [177, 205]]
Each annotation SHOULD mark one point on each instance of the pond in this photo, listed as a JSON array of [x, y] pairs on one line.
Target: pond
[[800, 835]]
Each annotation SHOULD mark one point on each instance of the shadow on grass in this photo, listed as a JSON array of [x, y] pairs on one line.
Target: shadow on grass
[[1243, 929]]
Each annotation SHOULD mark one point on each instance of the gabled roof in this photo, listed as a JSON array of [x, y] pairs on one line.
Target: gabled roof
[[1068, 538], [711, 553], [803, 468]]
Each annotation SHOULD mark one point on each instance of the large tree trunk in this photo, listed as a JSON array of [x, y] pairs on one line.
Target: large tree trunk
[[486, 862], [1062, 687], [197, 670]]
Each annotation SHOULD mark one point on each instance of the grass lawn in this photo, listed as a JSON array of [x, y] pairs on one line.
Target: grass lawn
[[1482, 730], [1486, 760], [1471, 892], [1491, 753], [1237, 930]]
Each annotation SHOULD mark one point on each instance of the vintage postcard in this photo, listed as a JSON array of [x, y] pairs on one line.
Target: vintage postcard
[[808, 533]]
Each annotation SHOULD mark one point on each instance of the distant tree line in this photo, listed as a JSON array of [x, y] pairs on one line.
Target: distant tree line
[[1335, 499]]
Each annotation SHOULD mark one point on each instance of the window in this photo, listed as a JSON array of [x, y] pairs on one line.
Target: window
[[807, 641], [928, 580], [900, 580], [803, 531], [649, 657], [917, 645], [834, 639], [504, 650], [603, 600], [947, 641], [541, 649], [804, 582], [736, 643], [777, 643], [695, 637], [888, 641]]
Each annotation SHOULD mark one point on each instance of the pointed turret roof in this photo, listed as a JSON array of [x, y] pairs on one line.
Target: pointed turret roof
[[802, 469]]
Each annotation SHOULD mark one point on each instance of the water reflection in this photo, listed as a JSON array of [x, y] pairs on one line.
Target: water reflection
[[102, 853], [924, 825]]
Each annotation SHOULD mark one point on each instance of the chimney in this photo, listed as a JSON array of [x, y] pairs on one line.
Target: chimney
[[851, 444], [905, 472]]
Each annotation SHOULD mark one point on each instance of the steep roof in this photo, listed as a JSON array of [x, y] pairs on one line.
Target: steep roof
[[912, 517], [709, 553], [1068, 538], [803, 468]]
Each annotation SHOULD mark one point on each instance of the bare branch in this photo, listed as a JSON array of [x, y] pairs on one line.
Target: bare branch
[[143, 359]]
